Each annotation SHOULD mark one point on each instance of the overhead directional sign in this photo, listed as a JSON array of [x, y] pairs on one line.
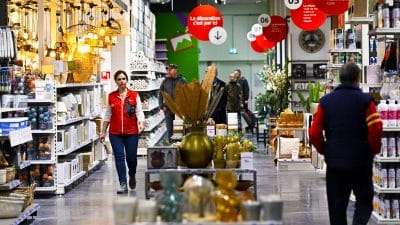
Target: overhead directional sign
[[217, 35]]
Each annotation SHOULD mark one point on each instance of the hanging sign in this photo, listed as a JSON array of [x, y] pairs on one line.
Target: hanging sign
[[264, 43], [277, 29], [293, 4], [332, 7], [264, 20], [308, 16], [256, 47], [202, 19], [250, 36], [217, 35], [257, 29]]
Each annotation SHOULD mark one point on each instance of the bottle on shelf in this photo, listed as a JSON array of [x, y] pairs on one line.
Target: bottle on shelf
[[383, 109], [392, 113], [396, 14]]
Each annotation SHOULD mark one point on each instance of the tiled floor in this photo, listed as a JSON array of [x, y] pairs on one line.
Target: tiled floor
[[91, 201]]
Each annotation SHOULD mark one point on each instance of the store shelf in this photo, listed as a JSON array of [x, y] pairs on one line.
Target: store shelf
[[42, 162], [381, 190], [73, 120], [339, 65], [47, 101], [391, 129], [345, 50], [94, 164], [385, 31], [24, 164], [305, 160], [161, 58], [371, 85], [162, 50], [151, 107], [29, 211], [45, 189], [387, 159], [289, 128], [4, 110], [380, 220], [10, 185], [43, 131], [154, 124], [153, 88], [73, 179], [66, 152], [360, 20], [73, 85]]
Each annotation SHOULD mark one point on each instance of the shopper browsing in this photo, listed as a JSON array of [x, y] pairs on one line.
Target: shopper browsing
[[234, 98], [242, 81], [353, 132], [168, 85], [125, 117]]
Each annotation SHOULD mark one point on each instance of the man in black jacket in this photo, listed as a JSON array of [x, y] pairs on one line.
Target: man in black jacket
[[219, 115], [245, 87], [168, 85]]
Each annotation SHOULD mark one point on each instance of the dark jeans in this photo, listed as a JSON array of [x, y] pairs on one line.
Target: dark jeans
[[339, 183], [125, 145], [169, 120]]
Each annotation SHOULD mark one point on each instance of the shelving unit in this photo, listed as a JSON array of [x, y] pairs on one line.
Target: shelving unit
[[30, 211], [161, 50]]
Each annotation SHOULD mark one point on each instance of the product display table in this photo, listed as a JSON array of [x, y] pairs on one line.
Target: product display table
[[240, 172]]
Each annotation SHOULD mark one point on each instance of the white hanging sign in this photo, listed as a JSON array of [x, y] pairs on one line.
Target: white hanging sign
[[293, 4]]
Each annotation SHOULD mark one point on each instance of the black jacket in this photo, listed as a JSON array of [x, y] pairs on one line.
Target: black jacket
[[168, 85]]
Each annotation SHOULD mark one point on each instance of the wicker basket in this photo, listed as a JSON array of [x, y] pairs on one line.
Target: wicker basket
[[291, 120], [28, 192]]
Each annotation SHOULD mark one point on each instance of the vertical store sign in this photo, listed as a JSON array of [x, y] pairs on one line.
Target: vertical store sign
[[202, 19], [308, 16], [332, 7]]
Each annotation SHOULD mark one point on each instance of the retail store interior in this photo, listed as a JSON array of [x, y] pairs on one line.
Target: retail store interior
[[57, 65]]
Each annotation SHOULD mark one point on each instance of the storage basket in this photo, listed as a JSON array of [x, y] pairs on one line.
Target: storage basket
[[29, 193], [10, 206], [10, 173]]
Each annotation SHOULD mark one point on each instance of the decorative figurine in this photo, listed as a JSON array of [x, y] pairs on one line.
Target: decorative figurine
[[171, 200], [226, 200]]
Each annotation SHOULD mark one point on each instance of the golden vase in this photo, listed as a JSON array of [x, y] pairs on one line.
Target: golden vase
[[196, 149]]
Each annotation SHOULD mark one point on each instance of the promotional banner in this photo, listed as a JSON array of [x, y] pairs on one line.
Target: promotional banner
[[277, 30], [308, 16], [264, 43], [202, 19]]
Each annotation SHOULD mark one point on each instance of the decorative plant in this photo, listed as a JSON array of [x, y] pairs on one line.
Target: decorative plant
[[314, 91], [192, 100], [277, 94]]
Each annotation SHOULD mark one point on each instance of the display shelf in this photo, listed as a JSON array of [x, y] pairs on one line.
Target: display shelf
[[360, 20], [162, 50], [391, 129], [157, 138], [94, 164], [385, 31], [152, 88], [45, 189], [73, 85], [305, 160], [4, 110], [51, 131], [73, 120], [345, 50], [155, 124], [290, 128], [387, 159], [161, 58], [10, 185], [42, 162], [24, 164], [380, 220], [371, 85], [73, 149], [381, 190], [338, 65], [47, 101], [73, 179], [29, 211], [151, 107]]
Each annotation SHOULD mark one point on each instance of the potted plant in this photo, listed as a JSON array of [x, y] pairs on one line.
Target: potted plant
[[314, 92]]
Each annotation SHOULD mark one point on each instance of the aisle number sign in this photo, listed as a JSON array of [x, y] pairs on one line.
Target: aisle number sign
[[202, 19], [264, 20], [294, 4]]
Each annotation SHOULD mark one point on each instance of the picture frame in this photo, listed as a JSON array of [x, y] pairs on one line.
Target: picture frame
[[181, 42]]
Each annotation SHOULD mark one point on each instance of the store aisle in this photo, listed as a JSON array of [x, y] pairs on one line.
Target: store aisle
[[90, 202]]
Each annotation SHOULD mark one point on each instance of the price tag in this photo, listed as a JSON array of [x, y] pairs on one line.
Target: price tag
[[264, 20], [20, 136], [293, 4], [250, 36], [295, 154], [257, 29]]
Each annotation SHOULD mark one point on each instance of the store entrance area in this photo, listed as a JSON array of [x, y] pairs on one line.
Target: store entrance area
[[91, 202]]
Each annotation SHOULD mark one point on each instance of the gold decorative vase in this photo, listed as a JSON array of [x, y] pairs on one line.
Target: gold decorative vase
[[196, 149]]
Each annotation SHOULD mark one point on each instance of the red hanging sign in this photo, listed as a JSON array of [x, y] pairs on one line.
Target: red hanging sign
[[264, 43], [332, 7], [202, 19], [277, 30], [256, 47], [308, 16]]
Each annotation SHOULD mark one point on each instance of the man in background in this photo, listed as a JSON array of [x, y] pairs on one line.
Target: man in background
[[168, 85], [353, 132], [219, 115], [245, 87]]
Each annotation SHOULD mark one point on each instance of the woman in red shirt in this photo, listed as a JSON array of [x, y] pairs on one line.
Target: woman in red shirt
[[125, 117]]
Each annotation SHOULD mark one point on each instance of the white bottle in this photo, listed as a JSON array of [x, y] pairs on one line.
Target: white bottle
[[392, 113], [383, 112], [397, 114]]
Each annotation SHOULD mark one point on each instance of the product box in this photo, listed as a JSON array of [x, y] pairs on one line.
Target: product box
[[162, 157], [358, 8], [60, 173], [10, 124]]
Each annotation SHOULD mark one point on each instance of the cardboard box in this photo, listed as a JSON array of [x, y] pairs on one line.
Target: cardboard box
[[162, 157], [10, 124]]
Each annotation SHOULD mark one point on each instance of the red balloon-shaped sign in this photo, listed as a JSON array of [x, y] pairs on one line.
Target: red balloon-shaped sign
[[256, 47], [277, 30], [202, 19], [308, 16], [264, 43], [332, 7]]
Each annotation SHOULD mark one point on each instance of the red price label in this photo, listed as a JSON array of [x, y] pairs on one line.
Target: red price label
[[308, 16], [202, 19]]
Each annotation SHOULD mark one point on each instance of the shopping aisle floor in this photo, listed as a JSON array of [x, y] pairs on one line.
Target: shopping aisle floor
[[90, 203]]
